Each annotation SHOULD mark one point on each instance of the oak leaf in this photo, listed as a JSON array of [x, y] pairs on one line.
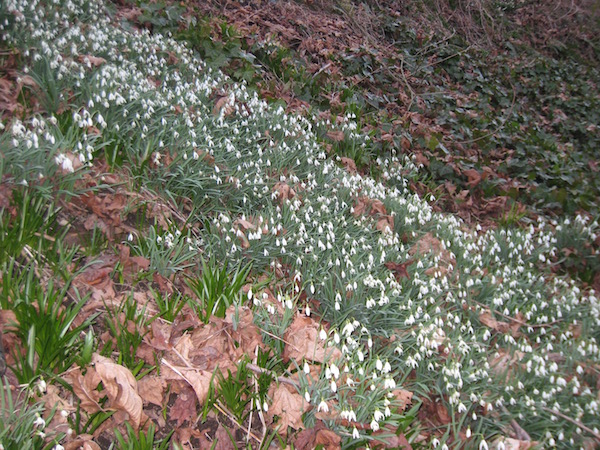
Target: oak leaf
[[289, 407], [303, 342]]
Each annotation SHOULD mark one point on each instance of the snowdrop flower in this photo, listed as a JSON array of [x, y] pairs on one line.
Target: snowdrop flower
[[39, 422], [323, 407]]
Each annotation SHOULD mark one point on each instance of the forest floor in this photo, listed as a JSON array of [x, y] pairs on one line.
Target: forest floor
[[320, 224]]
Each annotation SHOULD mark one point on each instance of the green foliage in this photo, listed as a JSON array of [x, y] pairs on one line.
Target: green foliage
[[217, 289], [45, 324], [168, 251], [236, 391], [21, 425], [169, 305], [127, 323], [140, 440]]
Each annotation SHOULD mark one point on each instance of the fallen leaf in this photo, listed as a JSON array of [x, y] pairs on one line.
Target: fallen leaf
[[199, 380], [328, 440], [349, 164], [151, 389], [184, 408], [223, 106], [284, 191], [121, 388], [305, 440], [377, 207], [474, 177], [488, 320], [85, 388], [303, 342], [404, 397], [512, 444], [82, 442], [399, 269], [387, 438], [289, 407], [336, 136], [94, 61], [385, 224], [503, 361], [223, 440]]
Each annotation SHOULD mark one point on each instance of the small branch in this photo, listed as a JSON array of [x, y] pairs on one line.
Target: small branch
[[573, 421], [234, 420], [520, 433]]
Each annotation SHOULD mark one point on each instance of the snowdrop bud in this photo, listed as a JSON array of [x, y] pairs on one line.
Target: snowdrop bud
[[322, 334], [306, 368], [307, 396]]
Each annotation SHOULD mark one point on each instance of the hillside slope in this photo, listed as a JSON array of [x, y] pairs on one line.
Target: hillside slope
[[187, 264]]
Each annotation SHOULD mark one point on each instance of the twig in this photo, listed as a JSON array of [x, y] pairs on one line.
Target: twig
[[573, 421], [316, 74], [256, 369], [185, 361], [234, 420], [521, 322], [520, 433]]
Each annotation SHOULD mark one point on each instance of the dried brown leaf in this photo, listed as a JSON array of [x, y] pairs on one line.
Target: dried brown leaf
[[94, 61], [303, 342], [328, 440], [289, 407], [285, 192], [385, 224], [82, 442], [513, 444], [404, 397], [121, 388], [399, 269], [336, 136], [349, 164], [184, 408], [151, 389], [474, 177], [85, 388], [222, 440]]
